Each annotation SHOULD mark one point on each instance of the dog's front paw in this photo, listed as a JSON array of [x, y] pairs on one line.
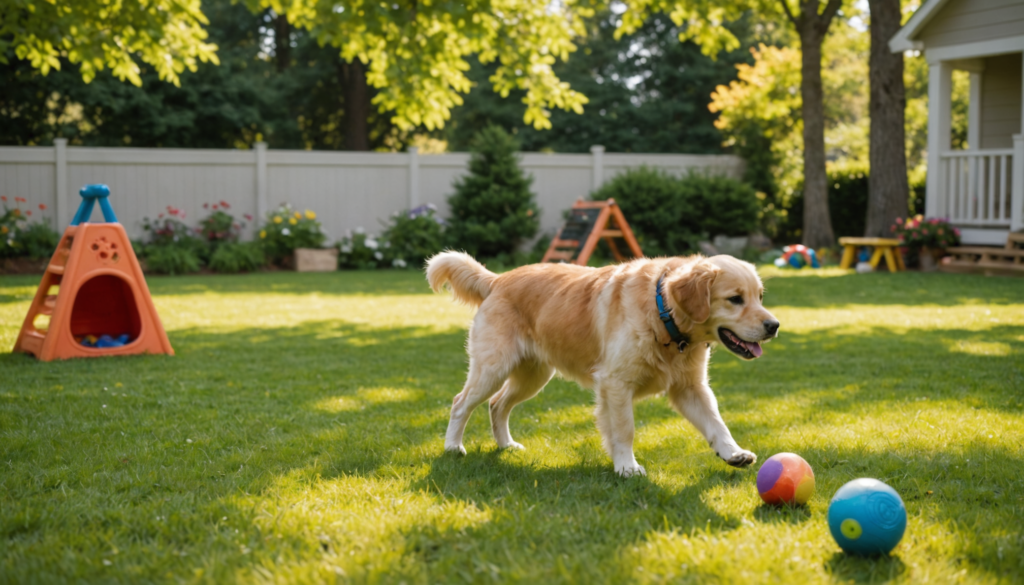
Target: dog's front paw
[[630, 469], [457, 449], [741, 458], [513, 446]]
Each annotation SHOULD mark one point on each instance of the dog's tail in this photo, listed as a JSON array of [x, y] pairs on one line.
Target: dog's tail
[[468, 280]]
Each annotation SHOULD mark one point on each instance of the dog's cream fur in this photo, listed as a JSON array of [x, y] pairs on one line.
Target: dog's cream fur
[[600, 327]]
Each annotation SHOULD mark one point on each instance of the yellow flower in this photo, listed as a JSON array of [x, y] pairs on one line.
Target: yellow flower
[[293, 221], [298, 215], [277, 219], [310, 214], [263, 233]]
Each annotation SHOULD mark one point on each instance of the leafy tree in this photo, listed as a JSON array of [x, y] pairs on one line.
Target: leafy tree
[[646, 91], [888, 181], [168, 35], [493, 209]]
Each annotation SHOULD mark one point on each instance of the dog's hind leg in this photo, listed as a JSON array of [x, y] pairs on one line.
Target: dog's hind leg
[[493, 354], [524, 383]]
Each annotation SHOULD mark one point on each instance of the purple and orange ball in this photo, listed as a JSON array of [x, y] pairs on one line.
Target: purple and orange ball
[[785, 478]]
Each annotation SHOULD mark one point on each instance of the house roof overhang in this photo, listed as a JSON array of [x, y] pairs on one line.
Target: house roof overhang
[[906, 38]]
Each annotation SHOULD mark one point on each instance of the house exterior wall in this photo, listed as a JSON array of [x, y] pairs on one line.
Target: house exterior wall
[[1000, 101], [969, 21]]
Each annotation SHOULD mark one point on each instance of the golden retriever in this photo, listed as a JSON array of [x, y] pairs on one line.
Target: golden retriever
[[602, 328]]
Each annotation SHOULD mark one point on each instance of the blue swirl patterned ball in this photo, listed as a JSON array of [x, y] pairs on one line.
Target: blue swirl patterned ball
[[867, 517]]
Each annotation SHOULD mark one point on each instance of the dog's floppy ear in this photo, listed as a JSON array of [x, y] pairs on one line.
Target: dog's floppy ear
[[692, 290]]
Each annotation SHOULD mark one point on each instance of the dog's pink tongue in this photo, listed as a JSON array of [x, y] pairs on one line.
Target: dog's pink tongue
[[753, 347]]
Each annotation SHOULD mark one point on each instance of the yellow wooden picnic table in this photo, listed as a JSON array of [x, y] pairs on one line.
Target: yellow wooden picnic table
[[887, 247]]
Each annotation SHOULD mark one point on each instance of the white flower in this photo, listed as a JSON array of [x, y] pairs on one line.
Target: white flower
[[398, 263], [286, 232], [371, 243], [378, 255], [346, 249], [360, 230]]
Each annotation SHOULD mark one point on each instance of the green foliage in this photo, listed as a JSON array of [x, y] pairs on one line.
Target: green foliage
[[12, 222], [220, 226], [232, 257], [95, 34], [493, 209], [414, 236], [669, 215], [287, 229], [38, 240], [362, 251], [647, 92], [847, 205], [172, 259]]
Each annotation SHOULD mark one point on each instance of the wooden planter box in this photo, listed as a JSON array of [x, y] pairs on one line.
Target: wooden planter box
[[316, 259]]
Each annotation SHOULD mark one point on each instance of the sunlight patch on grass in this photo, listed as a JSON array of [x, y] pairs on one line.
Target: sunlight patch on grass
[[981, 348]]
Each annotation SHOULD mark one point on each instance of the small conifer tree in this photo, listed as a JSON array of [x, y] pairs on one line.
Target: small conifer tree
[[493, 209]]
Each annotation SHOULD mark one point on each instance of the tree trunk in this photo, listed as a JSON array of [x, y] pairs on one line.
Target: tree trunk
[[887, 184], [357, 105], [817, 221], [282, 42]]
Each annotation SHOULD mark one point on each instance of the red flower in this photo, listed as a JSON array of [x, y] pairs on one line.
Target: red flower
[[22, 199], [225, 205], [42, 206], [247, 216], [29, 212], [160, 216], [215, 207], [206, 205], [3, 198]]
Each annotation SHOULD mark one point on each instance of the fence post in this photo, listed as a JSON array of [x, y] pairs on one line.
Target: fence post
[[61, 207], [1017, 186], [414, 177], [597, 179], [261, 182]]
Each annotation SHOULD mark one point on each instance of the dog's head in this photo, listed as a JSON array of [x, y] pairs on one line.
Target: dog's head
[[722, 297]]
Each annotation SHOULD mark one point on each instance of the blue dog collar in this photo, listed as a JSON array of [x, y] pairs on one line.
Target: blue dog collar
[[665, 314]]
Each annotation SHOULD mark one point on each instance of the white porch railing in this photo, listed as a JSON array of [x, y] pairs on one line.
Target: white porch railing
[[977, 187]]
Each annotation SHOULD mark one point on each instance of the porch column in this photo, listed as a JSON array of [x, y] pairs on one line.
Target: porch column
[[1017, 185], [940, 102]]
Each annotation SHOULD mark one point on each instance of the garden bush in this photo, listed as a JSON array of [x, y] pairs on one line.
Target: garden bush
[[287, 229], [220, 226], [232, 257], [21, 239], [493, 210], [172, 259], [37, 241], [362, 251], [847, 205], [669, 215], [413, 236]]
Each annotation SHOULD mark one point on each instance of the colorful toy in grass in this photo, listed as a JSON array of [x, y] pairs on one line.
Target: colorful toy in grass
[[785, 478], [867, 517], [798, 256]]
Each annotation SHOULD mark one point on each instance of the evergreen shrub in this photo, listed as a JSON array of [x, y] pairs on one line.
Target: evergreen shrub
[[493, 210], [669, 215]]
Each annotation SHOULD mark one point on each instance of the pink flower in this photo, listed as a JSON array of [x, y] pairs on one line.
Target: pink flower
[[899, 220], [29, 212], [206, 205], [247, 216], [901, 237]]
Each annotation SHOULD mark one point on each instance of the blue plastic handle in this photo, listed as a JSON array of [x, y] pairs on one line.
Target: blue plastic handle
[[90, 195]]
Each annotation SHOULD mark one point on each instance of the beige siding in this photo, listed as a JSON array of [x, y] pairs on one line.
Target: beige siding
[[1000, 101], [969, 21]]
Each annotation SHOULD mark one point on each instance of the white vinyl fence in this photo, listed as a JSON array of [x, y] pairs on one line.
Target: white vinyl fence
[[347, 190]]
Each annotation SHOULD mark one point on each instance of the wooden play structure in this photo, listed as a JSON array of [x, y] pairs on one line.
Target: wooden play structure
[[94, 294], [588, 223], [988, 260], [888, 248]]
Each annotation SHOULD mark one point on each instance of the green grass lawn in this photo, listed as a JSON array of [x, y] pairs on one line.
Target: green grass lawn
[[297, 437]]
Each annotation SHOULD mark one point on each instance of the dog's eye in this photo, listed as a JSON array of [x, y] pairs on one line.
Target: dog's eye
[[736, 300]]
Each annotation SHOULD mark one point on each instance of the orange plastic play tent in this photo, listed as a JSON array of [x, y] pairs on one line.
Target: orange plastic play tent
[[94, 293]]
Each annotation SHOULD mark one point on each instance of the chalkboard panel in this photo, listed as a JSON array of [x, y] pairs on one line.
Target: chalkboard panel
[[579, 225], [585, 224]]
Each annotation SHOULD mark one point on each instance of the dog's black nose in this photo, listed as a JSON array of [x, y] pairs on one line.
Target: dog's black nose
[[771, 326]]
